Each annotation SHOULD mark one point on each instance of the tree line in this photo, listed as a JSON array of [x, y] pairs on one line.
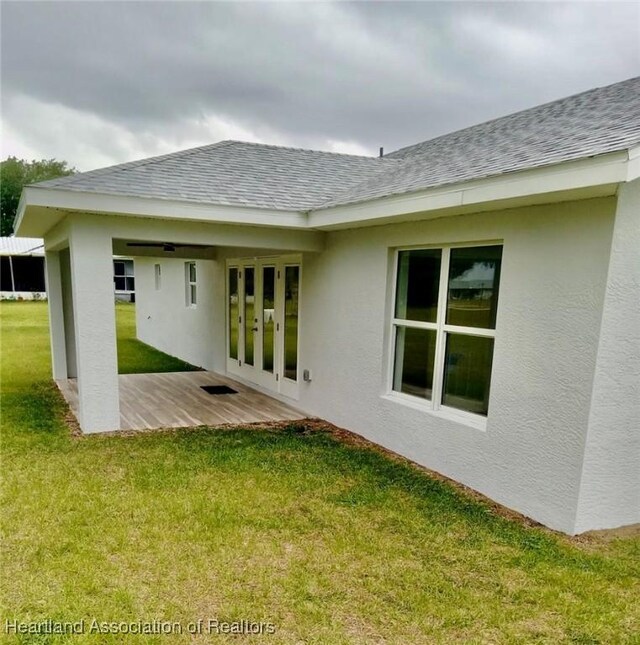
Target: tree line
[[14, 175]]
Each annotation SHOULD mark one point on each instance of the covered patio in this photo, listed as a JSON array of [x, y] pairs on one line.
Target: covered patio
[[177, 399], [79, 250]]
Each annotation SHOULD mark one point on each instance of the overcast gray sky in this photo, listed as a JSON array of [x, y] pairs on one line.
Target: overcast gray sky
[[97, 83]]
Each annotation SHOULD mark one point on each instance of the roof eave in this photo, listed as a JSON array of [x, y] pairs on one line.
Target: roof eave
[[633, 169], [41, 208], [17, 221], [587, 177]]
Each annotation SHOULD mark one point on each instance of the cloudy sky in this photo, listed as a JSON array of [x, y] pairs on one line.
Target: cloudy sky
[[97, 83]]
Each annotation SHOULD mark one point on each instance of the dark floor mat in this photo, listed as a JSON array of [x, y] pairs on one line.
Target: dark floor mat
[[218, 389]]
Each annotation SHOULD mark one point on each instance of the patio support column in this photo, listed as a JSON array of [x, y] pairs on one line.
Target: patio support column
[[95, 327], [56, 315]]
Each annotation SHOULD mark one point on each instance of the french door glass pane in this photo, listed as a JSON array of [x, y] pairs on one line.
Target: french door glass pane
[[192, 271], [467, 372], [233, 313], [268, 314], [413, 371], [417, 288], [291, 289], [249, 314], [474, 278]]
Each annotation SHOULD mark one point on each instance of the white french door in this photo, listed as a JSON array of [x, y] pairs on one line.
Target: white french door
[[263, 321]]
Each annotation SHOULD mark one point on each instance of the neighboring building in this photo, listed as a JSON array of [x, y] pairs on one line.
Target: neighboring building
[[22, 271], [124, 279], [22, 268], [470, 302]]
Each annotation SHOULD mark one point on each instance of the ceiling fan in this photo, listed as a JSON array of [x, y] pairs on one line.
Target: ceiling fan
[[166, 246]]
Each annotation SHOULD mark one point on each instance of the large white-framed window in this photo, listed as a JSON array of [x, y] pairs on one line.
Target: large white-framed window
[[444, 326], [191, 284]]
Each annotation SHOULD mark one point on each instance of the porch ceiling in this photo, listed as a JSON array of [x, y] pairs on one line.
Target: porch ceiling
[[177, 400]]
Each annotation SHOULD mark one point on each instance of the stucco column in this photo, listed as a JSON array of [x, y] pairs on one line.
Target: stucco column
[[610, 485], [56, 315], [95, 327]]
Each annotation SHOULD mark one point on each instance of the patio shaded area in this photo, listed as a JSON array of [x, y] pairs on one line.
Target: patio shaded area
[[176, 399]]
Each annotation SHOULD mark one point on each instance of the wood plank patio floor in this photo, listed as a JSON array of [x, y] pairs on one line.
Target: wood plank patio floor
[[176, 400]]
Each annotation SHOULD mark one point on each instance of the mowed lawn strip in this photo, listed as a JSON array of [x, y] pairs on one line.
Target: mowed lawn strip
[[135, 357], [331, 542]]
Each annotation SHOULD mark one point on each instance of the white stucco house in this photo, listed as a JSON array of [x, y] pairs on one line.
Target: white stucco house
[[471, 302]]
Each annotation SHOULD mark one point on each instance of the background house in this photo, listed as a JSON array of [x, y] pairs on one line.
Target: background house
[[124, 282], [22, 268], [22, 271]]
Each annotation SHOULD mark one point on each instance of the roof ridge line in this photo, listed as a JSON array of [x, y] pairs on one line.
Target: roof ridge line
[[322, 152]]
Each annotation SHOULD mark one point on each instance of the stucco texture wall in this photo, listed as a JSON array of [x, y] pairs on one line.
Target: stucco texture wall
[[549, 360], [610, 490], [554, 272], [163, 318]]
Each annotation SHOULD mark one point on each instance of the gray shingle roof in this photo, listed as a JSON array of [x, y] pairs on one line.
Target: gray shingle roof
[[232, 173], [584, 125], [244, 174]]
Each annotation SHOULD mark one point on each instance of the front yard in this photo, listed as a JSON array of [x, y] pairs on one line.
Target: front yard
[[328, 541]]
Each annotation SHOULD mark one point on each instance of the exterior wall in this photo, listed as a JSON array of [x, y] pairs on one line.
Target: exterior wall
[[554, 282], [610, 491], [163, 318], [552, 287]]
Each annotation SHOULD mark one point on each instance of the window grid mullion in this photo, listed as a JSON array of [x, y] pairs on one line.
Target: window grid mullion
[[470, 331], [438, 368], [416, 324]]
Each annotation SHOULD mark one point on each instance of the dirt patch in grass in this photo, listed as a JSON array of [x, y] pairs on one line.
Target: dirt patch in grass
[[608, 535]]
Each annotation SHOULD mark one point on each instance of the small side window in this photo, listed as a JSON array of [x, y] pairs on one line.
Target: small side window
[[191, 284], [157, 271]]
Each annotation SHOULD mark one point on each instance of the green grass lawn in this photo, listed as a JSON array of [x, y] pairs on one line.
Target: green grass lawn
[[330, 542], [135, 357]]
